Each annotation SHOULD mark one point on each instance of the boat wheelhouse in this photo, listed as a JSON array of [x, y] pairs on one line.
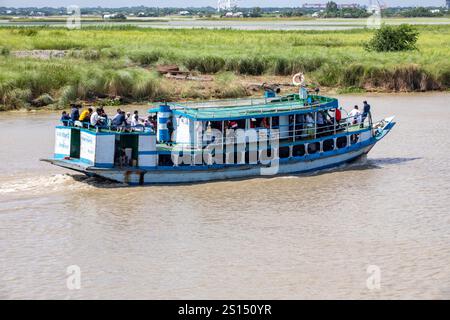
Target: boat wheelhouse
[[225, 139]]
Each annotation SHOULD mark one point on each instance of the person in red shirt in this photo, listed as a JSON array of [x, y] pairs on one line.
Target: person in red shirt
[[338, 115]]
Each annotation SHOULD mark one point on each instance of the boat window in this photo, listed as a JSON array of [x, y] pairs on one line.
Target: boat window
[[313, 147], [354, 138], [341, 142], [165, 160], [328, 145], [298, 151], [284, 152]]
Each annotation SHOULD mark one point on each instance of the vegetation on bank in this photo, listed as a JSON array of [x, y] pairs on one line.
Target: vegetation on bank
[[118, 61]]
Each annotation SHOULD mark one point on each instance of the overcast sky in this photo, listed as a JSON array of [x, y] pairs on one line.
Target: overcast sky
[[199, 3]]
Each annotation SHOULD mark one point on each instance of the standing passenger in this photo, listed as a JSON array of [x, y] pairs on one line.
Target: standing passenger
[[355, 115], [366, 111]]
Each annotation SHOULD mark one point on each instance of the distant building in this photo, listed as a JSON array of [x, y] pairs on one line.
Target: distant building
[[314, 6], [184, 13], [324, 6]]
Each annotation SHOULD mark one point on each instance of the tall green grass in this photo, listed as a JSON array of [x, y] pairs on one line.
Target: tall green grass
[[109, 61]]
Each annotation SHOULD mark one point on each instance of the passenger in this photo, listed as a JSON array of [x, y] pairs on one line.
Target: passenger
[[75, 112], [118, 114], [366, 111], [233, 124], [104, 121], [148, 124], [135, 121], [309, 125], [354, 116], [119, 119], [65, 118], [128, 119], [85, 116], [338, 115], [320, 122], [265, 123], [95, 118]]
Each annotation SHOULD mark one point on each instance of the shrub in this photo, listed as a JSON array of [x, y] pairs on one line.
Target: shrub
[[146, 57], [206, 64], [4, 51], [254, 66], [43, 100], [393, 38], [16, 98], [68, 94], [28, 32]]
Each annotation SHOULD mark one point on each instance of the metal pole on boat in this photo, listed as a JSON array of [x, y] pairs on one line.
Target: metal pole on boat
[[294, 132], [315, 125], [334, 121], [223, 136]]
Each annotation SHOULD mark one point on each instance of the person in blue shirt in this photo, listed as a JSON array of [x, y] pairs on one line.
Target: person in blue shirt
[[119, 119], [75, 112], [65, 118], [366, 111]]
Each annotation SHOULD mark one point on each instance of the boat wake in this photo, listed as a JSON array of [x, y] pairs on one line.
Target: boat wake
[[53, 183]]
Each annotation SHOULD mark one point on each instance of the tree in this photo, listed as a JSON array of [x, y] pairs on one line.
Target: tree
[[332, 7], [393, 38]]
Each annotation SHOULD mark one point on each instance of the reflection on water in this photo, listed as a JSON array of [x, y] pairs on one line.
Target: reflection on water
[[300, 236]]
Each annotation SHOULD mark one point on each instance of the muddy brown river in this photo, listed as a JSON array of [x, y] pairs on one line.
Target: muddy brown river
[[320, 235]]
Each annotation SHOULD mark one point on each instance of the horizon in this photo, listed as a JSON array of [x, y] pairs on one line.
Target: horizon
[[201, 3]]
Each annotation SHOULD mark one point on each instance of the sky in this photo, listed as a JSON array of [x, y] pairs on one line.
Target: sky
[[199, 3]]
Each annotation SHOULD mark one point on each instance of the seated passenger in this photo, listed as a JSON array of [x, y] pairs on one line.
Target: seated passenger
[[95, 118], [75, 112], [65, 119], [85, 116], [119, 112], [135, 120], [119, 120], [128, 119]]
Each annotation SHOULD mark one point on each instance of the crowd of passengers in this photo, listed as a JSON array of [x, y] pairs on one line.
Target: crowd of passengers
[[303, 124], [121, 121], [326, 122]]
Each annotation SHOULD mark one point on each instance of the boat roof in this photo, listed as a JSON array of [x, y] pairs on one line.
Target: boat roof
[[235, 109]]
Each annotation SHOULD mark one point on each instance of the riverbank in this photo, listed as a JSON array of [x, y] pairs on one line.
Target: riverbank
[[103, 63]]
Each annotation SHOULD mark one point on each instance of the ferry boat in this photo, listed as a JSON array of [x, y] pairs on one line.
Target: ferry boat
[[225, 139]]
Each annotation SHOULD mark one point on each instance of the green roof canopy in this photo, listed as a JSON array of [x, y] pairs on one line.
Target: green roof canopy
[[252, 108]]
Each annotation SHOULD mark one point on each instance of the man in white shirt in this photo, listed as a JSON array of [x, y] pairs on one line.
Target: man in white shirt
[[95, 117], [354, 116]]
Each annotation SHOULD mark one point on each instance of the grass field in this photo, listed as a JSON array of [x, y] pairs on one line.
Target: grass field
[[109, 61]]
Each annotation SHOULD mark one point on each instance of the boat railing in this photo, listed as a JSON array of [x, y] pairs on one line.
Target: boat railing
[[108, 127], [301, 132]]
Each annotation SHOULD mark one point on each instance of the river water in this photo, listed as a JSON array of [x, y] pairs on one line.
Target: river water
[[317, 24], [310, 236]]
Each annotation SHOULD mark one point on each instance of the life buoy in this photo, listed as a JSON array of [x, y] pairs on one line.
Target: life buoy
[[298, 79]]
